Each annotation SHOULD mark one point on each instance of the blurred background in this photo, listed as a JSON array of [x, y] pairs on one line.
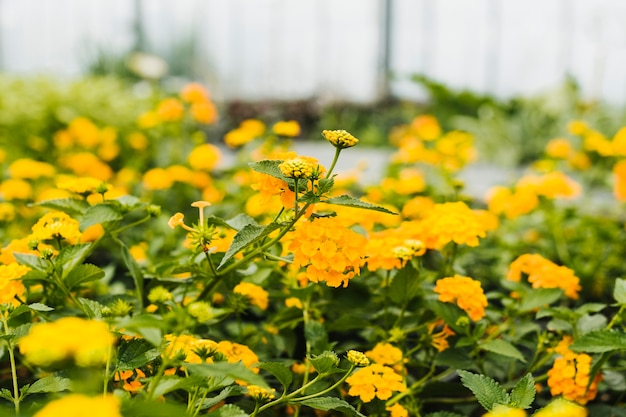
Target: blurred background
[[493, 67]]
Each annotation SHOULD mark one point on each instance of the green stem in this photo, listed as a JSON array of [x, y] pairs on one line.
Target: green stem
[[16, 390], [154, 382], [616, 318], [131, 225], [295, 190], [106, 371], [332, 165], [287, 397], [211, 265], [332, 387]]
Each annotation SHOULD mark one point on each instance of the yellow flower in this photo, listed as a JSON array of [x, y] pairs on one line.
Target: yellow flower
[[138, 141], [204, 157], [86, 342], [397, 410], [619, 180], [30, 169], [577, 127], [86, 164], [56, 225], [386, 354], [466, 292], [79, 405], [551, 185], [426, 127], [375, 381], [7, 212], [256, 294], [289, 128], [11, 287], [204, 112], [512, 204], [451, 222], [543, 273], [157, 179], [260, 393], [340, 138], [194, 93], [293, 302], [85, 132], [561, 408], [297, 168], [358, 358], [170, 110], [329, 251], [254, 127], [83, 185], [559, 148], [505, 411], [15, 189]]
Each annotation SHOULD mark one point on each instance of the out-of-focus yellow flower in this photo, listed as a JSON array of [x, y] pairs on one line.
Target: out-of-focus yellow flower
[[466, 292], [293, 302], [619, 142], [562, 408], [157, 179], [254, 127], [76, 405], [397, 410], [505, 411], [439, 340], [204, 157], [426, 127], [137, 141], [559, 148], [148, 120], [501, 200], [30, 169], [7, 212], [92, 233], [289, 128], [409, 181], [86, 164], [194, 93], [543, 273], [15, 189], [386, 354], [170, 110], [255, 293], [577, 127], [619, 180], [11, 287], [375, 381], [86, 342], [204, 112], [552, 185], [82, 185]]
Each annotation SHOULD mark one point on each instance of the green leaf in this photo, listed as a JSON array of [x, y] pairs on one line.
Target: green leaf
[[590, 322], [229, 410], [270, 167], [239, 221], [523, 393], [229, 370], [486, 390], [71, 206], [139, 408], [331, 403], [443, 414], [34, 275], [50, 384], [539, 297], [6, 394], [225, 393], [346, 200], [248, 235], [70, 256], [325, 362], [134, 269], [39, 307], [280, 371], [455, 358], [173, 383], [135, 353], [94, 308], [405, 285], [599, 341], [100, 213], [316, 335], [33, 261], [83, 273], [325, 185], [504, 348], [619, 292]]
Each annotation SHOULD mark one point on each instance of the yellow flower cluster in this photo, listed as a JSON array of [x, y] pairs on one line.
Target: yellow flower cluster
[[329, 251], [56, 225], [83, 185], [386, 354], [11, 288], [83, 134], [466, 292], [397, 410], [562, 408], [299, 168], [619, 180], [543, 273], [505, 411], [79, 405], [287, 128], [26, 168], [247, 131], [260, 393], [569, 375], [86, 342], [451, 222], [255, 293], [340, 138], [375, 380], [204, 157], [357, 358], [172, 109]]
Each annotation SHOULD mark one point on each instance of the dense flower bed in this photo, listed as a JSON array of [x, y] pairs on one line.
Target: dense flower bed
[[142, 276]]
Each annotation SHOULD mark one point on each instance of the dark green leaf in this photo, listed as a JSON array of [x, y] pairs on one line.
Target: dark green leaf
[[247, 236], [229, 410], [139, 408], [539, 297], [94, 308], [346, 200], [70, 256], [455, 358], [135, 353], [50, 384], [225, 393], [523, 393], [34, 275], [405, 285], [280, 371], [83, 273], [325, 362], [100, 213], [486, 390], [71, 206], [316, 335], [619, 292], [331, 403], [33, 261], [504, 348], [599, 341], [173, 383], [229, 370]]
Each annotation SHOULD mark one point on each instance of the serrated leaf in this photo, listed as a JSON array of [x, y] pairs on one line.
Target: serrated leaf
[[239, 221], [173, 383], [324, 185], [504, 348], [100, 213], [590, 322], [135, 353], [229, 410], [70, 256], [523, 393], [94, 308], [246, 236], [487, 391], [539, 297], [599, 341], [33, 261], [129, 202], [619, 292], [229, 370], [316, 335], [349, 201], [405, 285], [325, 362], [6, 394], [71, 206], [331, 403], [34, 275], [270, 167], [280, 371], [225, 393], [39, 307], [83, 273], [50, 384]]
